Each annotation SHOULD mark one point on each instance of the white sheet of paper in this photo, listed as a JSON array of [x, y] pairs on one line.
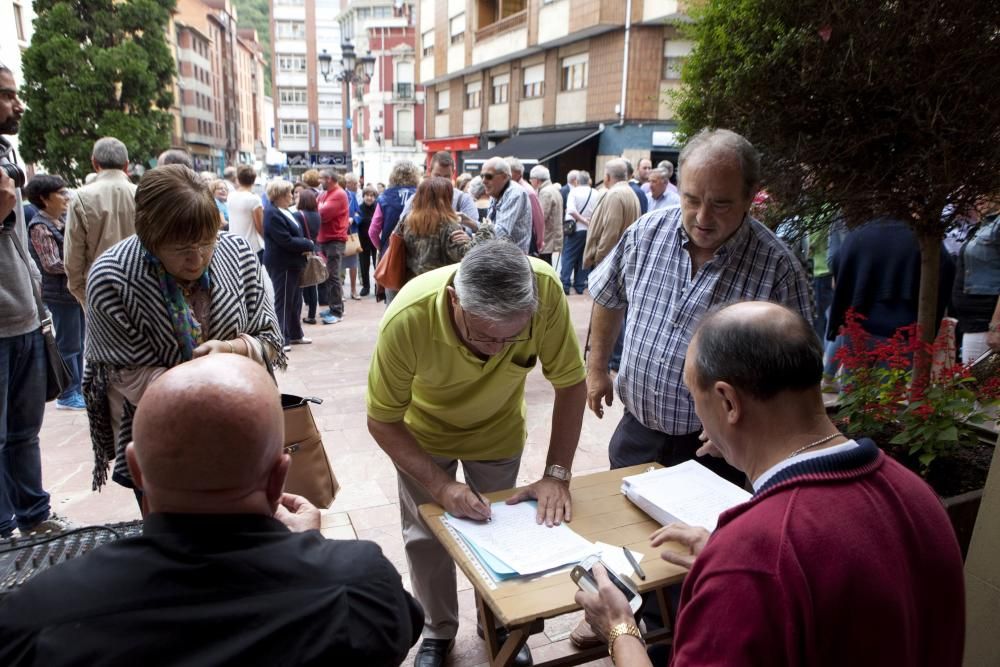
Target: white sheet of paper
[[614, 558], [514, 537]]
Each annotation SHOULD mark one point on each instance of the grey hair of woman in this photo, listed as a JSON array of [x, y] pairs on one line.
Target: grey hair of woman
[[495, 282], [404, 172], [476, 188]]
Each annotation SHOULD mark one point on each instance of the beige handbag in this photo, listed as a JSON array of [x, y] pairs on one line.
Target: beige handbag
[[310, 474], [353, 245]]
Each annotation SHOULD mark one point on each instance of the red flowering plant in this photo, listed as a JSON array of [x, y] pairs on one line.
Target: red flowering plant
[[927, 418]]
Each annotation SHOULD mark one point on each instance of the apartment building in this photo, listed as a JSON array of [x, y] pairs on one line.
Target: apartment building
[[567, 83], [219, 85], [387, 114], [308, 107]]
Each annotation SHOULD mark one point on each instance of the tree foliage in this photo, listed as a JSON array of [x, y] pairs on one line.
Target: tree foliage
[[96, 68], [256, 14], [871, 108], [881, 107]]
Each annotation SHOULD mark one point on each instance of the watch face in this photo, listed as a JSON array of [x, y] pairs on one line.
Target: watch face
[[558, 472]]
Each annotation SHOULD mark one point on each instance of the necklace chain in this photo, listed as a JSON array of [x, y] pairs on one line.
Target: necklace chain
[[813, 444]]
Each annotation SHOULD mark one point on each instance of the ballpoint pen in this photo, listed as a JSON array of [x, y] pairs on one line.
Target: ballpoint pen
[[632, 561], [478, 495]]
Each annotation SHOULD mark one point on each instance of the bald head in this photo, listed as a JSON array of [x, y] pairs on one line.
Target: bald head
[[208, 436], [760, 348]]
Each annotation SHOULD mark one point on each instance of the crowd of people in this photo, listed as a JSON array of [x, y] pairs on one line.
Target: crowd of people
[[184, 291]]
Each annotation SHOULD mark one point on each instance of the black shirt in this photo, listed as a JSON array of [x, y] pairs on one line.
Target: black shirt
[[214, 590]]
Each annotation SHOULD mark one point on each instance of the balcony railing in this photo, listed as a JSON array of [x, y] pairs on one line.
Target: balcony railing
[[512, 22], [405, 139], [404, 91]]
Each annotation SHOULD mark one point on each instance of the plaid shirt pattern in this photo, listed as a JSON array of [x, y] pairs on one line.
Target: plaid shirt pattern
[[650, 272]]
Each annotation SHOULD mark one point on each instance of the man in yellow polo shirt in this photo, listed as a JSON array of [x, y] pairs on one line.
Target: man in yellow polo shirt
[[446, 384]]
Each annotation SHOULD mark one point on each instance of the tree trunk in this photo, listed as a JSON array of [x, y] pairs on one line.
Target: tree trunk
[[930, 273]]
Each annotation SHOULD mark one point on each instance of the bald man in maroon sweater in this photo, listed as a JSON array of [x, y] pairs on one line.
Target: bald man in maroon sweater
[[841, 557]]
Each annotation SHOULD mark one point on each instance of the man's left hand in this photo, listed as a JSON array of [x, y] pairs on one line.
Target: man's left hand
[[212, 347], [297, 513], [554, 502]]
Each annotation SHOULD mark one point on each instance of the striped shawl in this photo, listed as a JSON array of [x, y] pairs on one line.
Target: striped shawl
[[128, 327]]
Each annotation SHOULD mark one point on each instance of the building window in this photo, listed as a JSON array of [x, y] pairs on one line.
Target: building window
[[574, 72], [534, 81], [330, 132], [294, 128], [457, 29], [329, 103], [473, 94], [19, 22], [293, 97], [404, 80], [291, 63], [427, 40], [290, 29], [673, 59], [500, 86], [443, 100]]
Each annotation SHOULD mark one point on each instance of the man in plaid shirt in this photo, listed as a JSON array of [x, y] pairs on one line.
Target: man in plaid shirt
[[670, 268]]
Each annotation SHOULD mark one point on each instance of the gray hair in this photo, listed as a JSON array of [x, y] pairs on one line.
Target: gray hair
[[110, 153], [540, 172], [277, 188], [616, 169], [573, 175], [583, 177], [495, 281], [515, 164], [660, 173], [229, 173], [476, 187], [725, 145], [498, 164], [175, 156], [351, 177], [404, 172], [667, 166]]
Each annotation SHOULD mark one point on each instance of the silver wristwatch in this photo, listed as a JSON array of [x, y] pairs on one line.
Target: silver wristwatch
[[558, 472]]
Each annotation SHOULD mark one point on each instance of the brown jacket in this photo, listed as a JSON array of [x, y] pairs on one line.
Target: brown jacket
[[101, 215], [550, 197], [618, 208]]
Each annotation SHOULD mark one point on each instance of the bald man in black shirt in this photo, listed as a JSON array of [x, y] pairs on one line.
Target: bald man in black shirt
[[229, 570]]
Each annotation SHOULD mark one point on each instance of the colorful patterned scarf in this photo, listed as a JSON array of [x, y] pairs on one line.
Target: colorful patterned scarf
[[186, 327]]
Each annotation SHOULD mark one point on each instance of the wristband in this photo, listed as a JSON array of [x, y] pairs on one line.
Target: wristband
[[232, 348]]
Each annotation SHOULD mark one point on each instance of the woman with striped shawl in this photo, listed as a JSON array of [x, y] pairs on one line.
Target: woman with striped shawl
[[176, 290]]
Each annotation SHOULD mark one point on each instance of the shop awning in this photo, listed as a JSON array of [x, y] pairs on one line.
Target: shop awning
[[537, 146]]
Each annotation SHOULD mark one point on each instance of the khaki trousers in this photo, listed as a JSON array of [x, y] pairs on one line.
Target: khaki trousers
[[432, 570]]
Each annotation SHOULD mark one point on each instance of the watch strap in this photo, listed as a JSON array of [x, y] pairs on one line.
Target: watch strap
[[618, 631], [558, 472]]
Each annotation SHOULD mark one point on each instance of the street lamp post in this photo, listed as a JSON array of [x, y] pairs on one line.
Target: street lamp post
[[354, 70]]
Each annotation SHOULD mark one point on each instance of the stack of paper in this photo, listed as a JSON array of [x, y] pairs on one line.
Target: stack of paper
[[688, 492], [513, 544]]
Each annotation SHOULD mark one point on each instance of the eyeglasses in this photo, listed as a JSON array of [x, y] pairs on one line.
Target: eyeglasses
[[203, 250], [519, 338], [488, 177]]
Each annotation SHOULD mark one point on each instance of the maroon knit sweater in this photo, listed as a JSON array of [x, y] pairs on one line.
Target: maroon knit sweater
[[847, 559]]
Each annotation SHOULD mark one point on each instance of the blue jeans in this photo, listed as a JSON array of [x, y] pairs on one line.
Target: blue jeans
[[22, 406], [571, 269], [68, 321]]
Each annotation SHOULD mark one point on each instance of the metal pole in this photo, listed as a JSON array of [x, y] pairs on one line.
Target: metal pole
[[349, 126]]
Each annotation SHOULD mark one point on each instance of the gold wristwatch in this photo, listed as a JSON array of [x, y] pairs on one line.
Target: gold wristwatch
[[618, 631], [558, 472]]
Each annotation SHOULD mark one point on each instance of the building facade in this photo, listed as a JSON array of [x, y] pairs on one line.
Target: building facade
[[387, 114], [568, 83], [219, 95], [308, 107]]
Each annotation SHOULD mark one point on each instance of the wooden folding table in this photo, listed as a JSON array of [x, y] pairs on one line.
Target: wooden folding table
[[600, 513]]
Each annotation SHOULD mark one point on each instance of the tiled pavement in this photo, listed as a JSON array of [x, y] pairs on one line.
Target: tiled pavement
[[335, 369]]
